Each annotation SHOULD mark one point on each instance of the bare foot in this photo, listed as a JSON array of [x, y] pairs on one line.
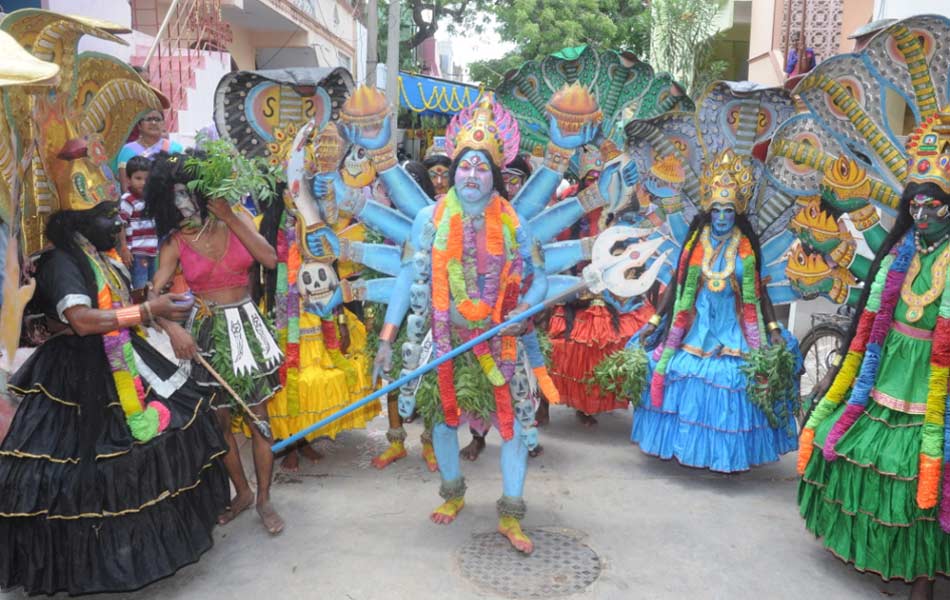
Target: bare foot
[[473, 449], [272, 520], [428, 455], [395, 451], [536, 452], [585, 419], [447, 512], [310, 453], [291, 463], [239, 504], [511, 529], [922, 589]]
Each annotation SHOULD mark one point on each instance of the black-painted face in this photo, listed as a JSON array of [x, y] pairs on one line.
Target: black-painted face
[[102, 226]]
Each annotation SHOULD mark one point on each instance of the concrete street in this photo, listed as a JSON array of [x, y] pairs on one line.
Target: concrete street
[[661, 530]]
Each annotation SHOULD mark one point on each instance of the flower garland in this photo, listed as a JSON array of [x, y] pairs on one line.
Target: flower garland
[[689, 274], [145, 421], [455, 283], [288, 311]]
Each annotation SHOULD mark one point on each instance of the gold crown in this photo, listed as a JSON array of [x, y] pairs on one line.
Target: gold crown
[[728, 180], [481, 133], [929, 150]]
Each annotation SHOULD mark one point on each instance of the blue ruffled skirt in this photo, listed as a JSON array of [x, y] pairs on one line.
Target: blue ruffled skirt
[[706, 419]]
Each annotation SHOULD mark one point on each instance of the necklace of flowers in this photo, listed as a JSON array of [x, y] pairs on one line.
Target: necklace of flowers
[[145, 421], [455, 283], [855, 380], [694, 259]]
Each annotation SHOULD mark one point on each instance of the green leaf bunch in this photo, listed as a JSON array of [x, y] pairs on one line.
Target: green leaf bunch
[[622, 373], [220, 171], [770, 373]]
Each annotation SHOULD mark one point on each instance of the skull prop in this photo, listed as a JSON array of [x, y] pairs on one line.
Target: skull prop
[[316, 282], [529, 437], [357, 171], [406, 405], [410, 355], [422, 264], [520, 385], [419, 298], [416, 328], [427, 237], [524, 412]]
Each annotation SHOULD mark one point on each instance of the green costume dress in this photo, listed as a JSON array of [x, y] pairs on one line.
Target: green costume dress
[[864, 503]]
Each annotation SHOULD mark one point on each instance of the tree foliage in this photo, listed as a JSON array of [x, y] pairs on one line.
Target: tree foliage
[[683, 35]]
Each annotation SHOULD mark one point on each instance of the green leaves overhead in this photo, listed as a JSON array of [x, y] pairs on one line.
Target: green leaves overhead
[[221, 171]]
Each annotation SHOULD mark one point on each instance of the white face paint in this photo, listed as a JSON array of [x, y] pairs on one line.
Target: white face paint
[[184, 202]]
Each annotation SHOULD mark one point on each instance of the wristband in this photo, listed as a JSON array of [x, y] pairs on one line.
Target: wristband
[[655, 320], [383, 159], [388, 332], [149, 318], [773, 326], [128, 316], [556, 158]]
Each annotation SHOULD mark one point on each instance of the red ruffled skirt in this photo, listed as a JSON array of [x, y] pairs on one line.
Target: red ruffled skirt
[[592, 338]]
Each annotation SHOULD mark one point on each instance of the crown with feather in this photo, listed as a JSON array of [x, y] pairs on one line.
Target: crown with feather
[[929, 150], [486, 126], [727, 180]]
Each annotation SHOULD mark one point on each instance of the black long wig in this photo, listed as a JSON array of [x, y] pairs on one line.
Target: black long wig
[[167, 170]]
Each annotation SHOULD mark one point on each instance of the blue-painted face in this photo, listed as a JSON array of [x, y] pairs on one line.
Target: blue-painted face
[[723, 218], [474, 181]]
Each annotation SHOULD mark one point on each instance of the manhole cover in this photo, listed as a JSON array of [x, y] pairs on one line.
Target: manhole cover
[[560, 565]]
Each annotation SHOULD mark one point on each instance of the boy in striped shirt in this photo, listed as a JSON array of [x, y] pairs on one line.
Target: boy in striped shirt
[[139, 231]]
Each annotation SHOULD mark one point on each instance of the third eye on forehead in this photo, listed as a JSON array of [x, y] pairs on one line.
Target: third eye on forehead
[[925, 200]]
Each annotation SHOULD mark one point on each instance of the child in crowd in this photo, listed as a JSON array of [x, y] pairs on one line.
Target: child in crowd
[[139, 231]]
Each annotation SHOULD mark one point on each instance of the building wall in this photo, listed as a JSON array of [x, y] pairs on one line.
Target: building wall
[[901, 9], [765, 58], [855, 13], [119, 13]]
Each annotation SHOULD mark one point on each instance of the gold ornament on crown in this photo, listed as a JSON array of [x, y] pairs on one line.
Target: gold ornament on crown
[[329, 149], [481, 133], [728, 180], [929, 150]]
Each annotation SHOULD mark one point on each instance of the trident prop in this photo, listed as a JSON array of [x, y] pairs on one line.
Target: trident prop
[[597, 278]]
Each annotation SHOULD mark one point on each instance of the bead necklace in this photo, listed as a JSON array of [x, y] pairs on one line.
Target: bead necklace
[[931, 247], [716, 280], [916, 303]]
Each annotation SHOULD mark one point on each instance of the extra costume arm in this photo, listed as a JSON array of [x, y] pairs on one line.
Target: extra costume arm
[[536, 193], [404, 191], [531, 254]]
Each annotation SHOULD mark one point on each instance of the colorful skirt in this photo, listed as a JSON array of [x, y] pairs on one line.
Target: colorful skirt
[[239, 344], [84, 507], [325, 382], [864, 504], [706, 419], [593, 337]]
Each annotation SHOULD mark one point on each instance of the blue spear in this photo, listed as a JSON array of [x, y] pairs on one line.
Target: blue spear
[[419, 372]]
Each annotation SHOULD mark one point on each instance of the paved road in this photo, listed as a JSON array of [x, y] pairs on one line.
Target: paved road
[[661, 530]]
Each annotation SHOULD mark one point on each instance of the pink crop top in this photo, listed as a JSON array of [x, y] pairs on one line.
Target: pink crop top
[[204, 274]]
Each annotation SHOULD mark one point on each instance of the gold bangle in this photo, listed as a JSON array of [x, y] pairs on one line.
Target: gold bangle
[[128, 316], [149, 318], [388, 332], [556, 158], [773, 326], [655, 320], [341, 319]]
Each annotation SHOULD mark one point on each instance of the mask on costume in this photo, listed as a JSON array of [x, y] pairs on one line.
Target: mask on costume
[[422, 264], [357, 171], [410, 354], [416, 328], [474, 179], [524, 412], [931, 216], [520, 385], [419, 298], [406, 405], [529, 437], [186, 205], [722, 218]]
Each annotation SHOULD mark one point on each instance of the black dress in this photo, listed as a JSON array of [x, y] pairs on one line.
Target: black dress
[[84, 507]]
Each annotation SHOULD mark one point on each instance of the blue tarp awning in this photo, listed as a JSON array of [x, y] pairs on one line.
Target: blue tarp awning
[[433, 96]]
